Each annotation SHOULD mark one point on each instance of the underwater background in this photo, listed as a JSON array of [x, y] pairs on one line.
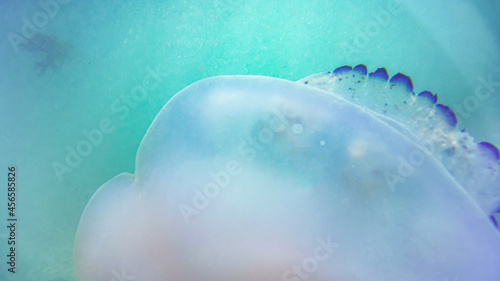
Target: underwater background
[[119, 62]]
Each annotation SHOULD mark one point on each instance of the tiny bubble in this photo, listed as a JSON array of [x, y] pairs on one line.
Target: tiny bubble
[[297, 129], [322, 143]]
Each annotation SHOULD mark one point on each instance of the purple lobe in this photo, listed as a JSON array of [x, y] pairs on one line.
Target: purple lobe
[[448, 114], [492, 218], [381, 73], [361, 68], [490, 149], [429, 95], [402, 78], [342, 69]]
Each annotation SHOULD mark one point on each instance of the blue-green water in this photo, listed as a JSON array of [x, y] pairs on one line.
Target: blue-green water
[[110, 49]]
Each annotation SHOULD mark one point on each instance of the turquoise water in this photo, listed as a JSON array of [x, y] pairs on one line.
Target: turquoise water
[[106, 49]]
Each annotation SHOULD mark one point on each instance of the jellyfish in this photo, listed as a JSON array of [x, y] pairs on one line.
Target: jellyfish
[[342, 175]]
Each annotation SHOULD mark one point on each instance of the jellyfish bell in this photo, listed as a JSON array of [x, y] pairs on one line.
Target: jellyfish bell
[[343, 175]]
